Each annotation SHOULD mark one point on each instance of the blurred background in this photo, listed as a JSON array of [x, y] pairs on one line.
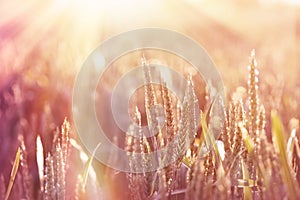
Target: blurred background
[[43, 44]]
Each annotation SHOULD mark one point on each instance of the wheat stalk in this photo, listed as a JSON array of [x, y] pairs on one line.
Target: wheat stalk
[[26, 176], [253, 96], [49, 187]]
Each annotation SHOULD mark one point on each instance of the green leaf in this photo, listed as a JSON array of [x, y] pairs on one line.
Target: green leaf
[[247, 189], [247, 139], [279, 140], [211, 142]]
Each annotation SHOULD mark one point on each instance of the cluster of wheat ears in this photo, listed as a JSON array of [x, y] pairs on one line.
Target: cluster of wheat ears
[[241, 163]]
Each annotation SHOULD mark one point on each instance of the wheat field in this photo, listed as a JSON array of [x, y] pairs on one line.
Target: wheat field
[[254, 154]]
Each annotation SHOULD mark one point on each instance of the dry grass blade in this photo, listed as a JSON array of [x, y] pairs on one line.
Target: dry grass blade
[[13, 173], [40, 160], [88, 165], [279, 140], [292, 147], [297, 146]]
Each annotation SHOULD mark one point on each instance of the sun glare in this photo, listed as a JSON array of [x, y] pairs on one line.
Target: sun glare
[[115, 6]]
